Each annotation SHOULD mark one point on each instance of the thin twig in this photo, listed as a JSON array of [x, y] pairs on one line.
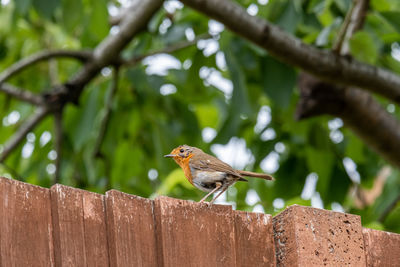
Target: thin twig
[[337, 47], [53, 72], [26, 62], [58, 137], [167, 50], [21, 94], [108, 109], [355, 21], [22, 131], [108, 51]]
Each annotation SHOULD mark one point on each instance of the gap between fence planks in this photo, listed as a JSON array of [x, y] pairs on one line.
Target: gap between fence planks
[[64, 226]]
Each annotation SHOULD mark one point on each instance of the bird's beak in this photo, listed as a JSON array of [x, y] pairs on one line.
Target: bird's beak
[[169, 156]]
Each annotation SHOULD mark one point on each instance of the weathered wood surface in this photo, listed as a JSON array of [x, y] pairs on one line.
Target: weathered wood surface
[[26, 233], [64, 226], [195, 234], [80, 237], [131, 230], [381, 248], [254, 238]]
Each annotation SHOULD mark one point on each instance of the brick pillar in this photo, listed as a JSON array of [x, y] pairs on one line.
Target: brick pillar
[[306, 236]]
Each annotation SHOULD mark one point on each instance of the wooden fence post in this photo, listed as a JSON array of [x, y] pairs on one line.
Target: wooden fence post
[[195, 234], [80, 237], [26, 234], [381, 248], [131, 230], [254, 239], [65, 226]]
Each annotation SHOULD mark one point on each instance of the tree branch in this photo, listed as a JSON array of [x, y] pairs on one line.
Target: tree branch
[[324, 64], [123, 12], [58, 138], [108, 109], [167, 50], [340, 39], [40, 114], [26, 62], [20, 94], [357, 108], [356, 22], [107, 52]]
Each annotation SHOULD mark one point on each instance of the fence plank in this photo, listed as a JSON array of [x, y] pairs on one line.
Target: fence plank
[[194, 234], [25, 225], [131, 233], [254, 239], [306, 236], [118, 229], [381, 248], [80, 237]]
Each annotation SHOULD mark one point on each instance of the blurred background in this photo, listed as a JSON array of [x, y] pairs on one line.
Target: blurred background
[[191, 81]]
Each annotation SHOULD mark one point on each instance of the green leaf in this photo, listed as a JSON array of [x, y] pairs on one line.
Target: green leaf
[[292, 171], [239, 104], [207, 115], [343, 5], [321, 162], [123, 170], [85, 119], [278, 81], [385, 5], [355, 149], [174, 34], [98, 25], [22, 6], [290, 17], [72, 14], [327, 34], [389, 62], [393, 17], [393, 219], [381, 28], [326, 17], [363, 48], [46, 7], [172, 180]]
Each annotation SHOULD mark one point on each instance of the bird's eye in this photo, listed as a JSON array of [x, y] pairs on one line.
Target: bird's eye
[[182, 150]]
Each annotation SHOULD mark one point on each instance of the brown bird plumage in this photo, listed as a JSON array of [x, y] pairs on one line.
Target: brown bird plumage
[[208, 173]]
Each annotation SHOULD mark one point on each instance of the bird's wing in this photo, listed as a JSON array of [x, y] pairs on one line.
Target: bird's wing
[[207, 162]]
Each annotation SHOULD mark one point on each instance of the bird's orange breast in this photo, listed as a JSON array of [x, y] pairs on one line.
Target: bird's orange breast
[[184, 164]]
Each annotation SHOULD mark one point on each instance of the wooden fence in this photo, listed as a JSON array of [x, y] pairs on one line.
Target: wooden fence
[[64, 226]]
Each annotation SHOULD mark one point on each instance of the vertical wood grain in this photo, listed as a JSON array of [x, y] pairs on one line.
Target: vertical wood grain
[[80, 237], [195, 234], [131, 230], [25, 225]]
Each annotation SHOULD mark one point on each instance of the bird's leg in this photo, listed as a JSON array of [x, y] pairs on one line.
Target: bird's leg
[[217, 187], [220, 193]]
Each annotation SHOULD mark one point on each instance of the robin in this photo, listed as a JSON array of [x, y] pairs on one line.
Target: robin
[[208, 173]]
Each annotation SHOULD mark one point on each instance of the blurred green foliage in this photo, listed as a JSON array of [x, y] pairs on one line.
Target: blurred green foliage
[[147, 122]]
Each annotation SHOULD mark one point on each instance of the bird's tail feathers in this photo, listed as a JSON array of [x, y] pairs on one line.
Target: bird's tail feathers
[[256, 175]]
